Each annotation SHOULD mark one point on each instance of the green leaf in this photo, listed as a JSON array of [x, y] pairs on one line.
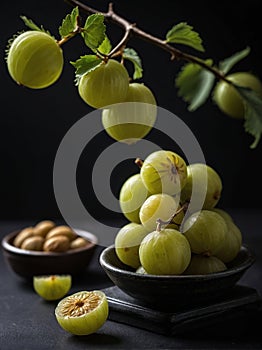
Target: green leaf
[[105, 47], [182, 33], [30, 24], [94, 31], [229, 62], [194, 84], [69, 23], [131, 55], [85, 64], [253, 113]]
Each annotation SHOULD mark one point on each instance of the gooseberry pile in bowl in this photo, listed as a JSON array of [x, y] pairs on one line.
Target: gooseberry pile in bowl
[[177, 242]]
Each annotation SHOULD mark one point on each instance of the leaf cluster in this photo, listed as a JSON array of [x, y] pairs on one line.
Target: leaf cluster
[[195, 85]]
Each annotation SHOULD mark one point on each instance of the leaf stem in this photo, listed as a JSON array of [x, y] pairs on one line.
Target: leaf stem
[[132, 29], [77, 30]]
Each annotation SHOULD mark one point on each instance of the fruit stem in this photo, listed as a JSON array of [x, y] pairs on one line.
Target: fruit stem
[[159, 225], [119, 48], [206, 254], [139, 162], [161, 222], [132, 29]]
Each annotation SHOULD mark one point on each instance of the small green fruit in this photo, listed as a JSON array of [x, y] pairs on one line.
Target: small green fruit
[[165, 252], [233, 241], [228, 98], [203, 182], [164, 171], [82, 313], [35, 60], [202, 265], [52, 287], [106, 85], [225, 215], [206, 232], [127, 243], [132, 195], [132, 120], [157, 206]]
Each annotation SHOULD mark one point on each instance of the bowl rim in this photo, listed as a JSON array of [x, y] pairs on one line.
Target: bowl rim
[[8, 247], [216, 275]]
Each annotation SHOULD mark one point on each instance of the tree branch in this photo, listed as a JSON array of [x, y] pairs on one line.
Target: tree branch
[[132, 29], [122, 42]]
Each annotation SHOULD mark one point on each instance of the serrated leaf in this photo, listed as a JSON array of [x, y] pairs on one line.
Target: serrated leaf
[[30, 24], [229, 62], [253, 113], [94, 31], [131, 55], [85, 64], [182, 33], [194, 84], [105, 47], [69, 23]]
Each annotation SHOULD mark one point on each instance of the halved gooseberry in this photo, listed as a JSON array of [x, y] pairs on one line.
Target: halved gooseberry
[[52, 287], [82, 313]]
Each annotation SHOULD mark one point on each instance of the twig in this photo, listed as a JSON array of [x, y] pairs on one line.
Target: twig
[[132, 29]]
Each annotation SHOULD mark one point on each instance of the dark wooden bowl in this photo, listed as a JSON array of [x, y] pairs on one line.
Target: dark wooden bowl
[[172, 290], [27, 264]]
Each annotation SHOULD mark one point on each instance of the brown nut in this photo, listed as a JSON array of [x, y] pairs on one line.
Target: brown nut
[[62, 230], [79, 242], [33, 243], [22, 235], [43, 227], [56, 244]]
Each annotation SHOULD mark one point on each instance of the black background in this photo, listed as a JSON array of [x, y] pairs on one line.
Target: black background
[[33, 122]]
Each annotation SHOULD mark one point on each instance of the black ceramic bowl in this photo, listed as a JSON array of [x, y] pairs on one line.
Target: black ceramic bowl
[[26, 263], [173, 289]]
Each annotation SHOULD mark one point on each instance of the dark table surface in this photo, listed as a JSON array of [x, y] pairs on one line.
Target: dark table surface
[[28, 322]]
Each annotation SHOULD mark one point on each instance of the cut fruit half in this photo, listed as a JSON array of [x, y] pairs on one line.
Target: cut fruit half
[[52, 287], [82, 313]]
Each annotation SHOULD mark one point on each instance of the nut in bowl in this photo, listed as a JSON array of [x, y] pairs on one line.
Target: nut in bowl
[[47, 248]]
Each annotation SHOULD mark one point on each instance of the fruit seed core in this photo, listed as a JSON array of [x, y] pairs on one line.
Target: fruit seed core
[[173, 170], [81, 304]]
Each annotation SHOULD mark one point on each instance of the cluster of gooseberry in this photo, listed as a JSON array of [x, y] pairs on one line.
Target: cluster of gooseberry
[[35, 60], [129, 109], [161, 237]]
